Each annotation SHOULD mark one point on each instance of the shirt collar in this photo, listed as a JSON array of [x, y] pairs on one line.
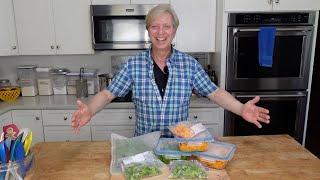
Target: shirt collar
[[170, 59]]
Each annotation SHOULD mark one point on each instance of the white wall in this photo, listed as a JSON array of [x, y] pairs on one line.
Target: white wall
[[100, 60]]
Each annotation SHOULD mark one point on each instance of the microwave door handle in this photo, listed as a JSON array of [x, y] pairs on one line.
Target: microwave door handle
[[271, 95]]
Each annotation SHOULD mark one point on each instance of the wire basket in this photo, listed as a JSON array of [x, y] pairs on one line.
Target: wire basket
[[9, 94]]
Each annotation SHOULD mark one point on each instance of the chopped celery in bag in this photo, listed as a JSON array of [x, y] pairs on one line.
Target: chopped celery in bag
[[181, 169]]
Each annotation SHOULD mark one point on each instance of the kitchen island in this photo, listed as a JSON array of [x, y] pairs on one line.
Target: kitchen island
[[256, 157]]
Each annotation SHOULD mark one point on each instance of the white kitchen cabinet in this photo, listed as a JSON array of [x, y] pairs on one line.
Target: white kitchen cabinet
[[8, 43], [112, 2], [196, 32], [57, 127], [31, 119], [47, 27], [102, 133], [271, 5], [114, 117], [5, 119], [208, 117]]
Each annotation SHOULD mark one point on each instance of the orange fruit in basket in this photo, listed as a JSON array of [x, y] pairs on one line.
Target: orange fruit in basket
[[9, 94]]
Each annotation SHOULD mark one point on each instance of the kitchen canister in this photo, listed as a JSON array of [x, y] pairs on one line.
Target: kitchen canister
[[59, 79], [81, 86], [44, 80], [27, 80]]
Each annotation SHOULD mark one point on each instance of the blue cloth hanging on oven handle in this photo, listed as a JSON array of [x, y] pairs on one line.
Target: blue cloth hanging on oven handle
[[266, 38]]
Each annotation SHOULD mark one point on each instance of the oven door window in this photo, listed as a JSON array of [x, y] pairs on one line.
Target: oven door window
[[120, 29], [288, 58], [286, 117]]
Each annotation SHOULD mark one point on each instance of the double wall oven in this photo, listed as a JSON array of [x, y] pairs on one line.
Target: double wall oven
[[282, 86]]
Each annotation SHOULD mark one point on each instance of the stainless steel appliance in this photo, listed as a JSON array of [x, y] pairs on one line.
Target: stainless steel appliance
[[282, 87], [120, 26]]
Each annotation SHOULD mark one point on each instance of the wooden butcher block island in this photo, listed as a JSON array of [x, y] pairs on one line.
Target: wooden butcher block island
[[256, 157]]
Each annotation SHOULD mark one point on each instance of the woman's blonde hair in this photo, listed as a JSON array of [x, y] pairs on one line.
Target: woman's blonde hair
[[161, 9]]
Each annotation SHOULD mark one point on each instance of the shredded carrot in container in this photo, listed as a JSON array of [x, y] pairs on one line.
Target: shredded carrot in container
[[183, 131]]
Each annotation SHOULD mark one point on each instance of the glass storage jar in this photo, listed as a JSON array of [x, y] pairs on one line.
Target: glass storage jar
[[59, 77], [44, 80], [71, 82], [27, 80]]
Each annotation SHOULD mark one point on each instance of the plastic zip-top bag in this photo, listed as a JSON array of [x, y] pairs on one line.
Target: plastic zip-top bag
[[187, 129], [123, 147], [141, 165], [181, 169]]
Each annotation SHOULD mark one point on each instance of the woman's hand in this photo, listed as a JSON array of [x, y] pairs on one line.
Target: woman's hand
[[255, 114], [80, 117]]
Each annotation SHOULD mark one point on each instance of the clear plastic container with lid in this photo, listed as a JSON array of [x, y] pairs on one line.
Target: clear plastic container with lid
[[71, 82], [4, 83], [217, 156], [27, 80], [59, 76], [44, 80]]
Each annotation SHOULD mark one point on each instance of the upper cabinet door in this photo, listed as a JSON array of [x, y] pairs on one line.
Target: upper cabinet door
[[109, 2], [8, 42], [196, 32], [34, 22], [150, 1], [248, 5], [295, 5], [72, 26]]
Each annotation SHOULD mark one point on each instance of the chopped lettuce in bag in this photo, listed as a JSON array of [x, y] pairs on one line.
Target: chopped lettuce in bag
[[181, 169]]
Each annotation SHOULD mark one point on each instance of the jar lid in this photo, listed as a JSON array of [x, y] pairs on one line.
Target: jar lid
[[4, 81], [43, 69], [27, 67], [60, 71]]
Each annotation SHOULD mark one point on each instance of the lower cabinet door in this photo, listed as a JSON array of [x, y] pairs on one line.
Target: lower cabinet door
[[102, 133], [65, 133]]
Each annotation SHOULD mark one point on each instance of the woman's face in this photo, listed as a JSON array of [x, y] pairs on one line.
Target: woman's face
[[162, 32]]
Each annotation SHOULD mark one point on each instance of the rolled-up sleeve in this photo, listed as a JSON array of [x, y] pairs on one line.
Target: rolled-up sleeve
[[121, 83], [202, 83]]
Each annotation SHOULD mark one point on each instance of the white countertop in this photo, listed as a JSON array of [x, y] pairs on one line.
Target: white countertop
[[69, 102]]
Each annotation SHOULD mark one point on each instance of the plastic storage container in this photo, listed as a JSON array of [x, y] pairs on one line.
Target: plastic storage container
[[59, 79], [27, 80], [71, 82], [217, 156], [167, 150], [44, 80]]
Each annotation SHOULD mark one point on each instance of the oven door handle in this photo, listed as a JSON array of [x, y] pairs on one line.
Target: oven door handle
[[272, 95], [301, 29]]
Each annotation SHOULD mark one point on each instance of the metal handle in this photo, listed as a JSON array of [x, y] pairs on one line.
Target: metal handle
[[65, 118], [271, 95], [52, 46], [304, 30], [58, 47], [14, 47], [37, 118], [277, 1], [130, 117], [195, 116]]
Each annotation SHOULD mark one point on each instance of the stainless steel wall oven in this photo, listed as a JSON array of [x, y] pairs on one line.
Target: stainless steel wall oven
[[282, 87]]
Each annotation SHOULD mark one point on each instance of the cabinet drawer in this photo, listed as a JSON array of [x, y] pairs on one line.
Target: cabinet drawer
[[102, 133], [65, 133], [204, 115], [114, 117], [57, 117]]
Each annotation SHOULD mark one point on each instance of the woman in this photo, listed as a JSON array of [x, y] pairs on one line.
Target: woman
[[162, 79]]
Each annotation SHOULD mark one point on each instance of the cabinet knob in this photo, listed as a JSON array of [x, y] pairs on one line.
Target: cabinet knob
[[37, 118], [52, 47], [130, 117], [173, 44], [58, 47], [14, 47], [277, 1], [195, 116], [65, 118]]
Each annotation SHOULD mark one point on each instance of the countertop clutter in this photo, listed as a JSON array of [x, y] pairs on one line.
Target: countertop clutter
[[257, 157], [69, 102]]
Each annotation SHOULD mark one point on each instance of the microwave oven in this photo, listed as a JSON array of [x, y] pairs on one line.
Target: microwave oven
[[120, 26]]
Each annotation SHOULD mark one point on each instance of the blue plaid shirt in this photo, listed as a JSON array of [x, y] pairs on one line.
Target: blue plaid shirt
[[152, 112]]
